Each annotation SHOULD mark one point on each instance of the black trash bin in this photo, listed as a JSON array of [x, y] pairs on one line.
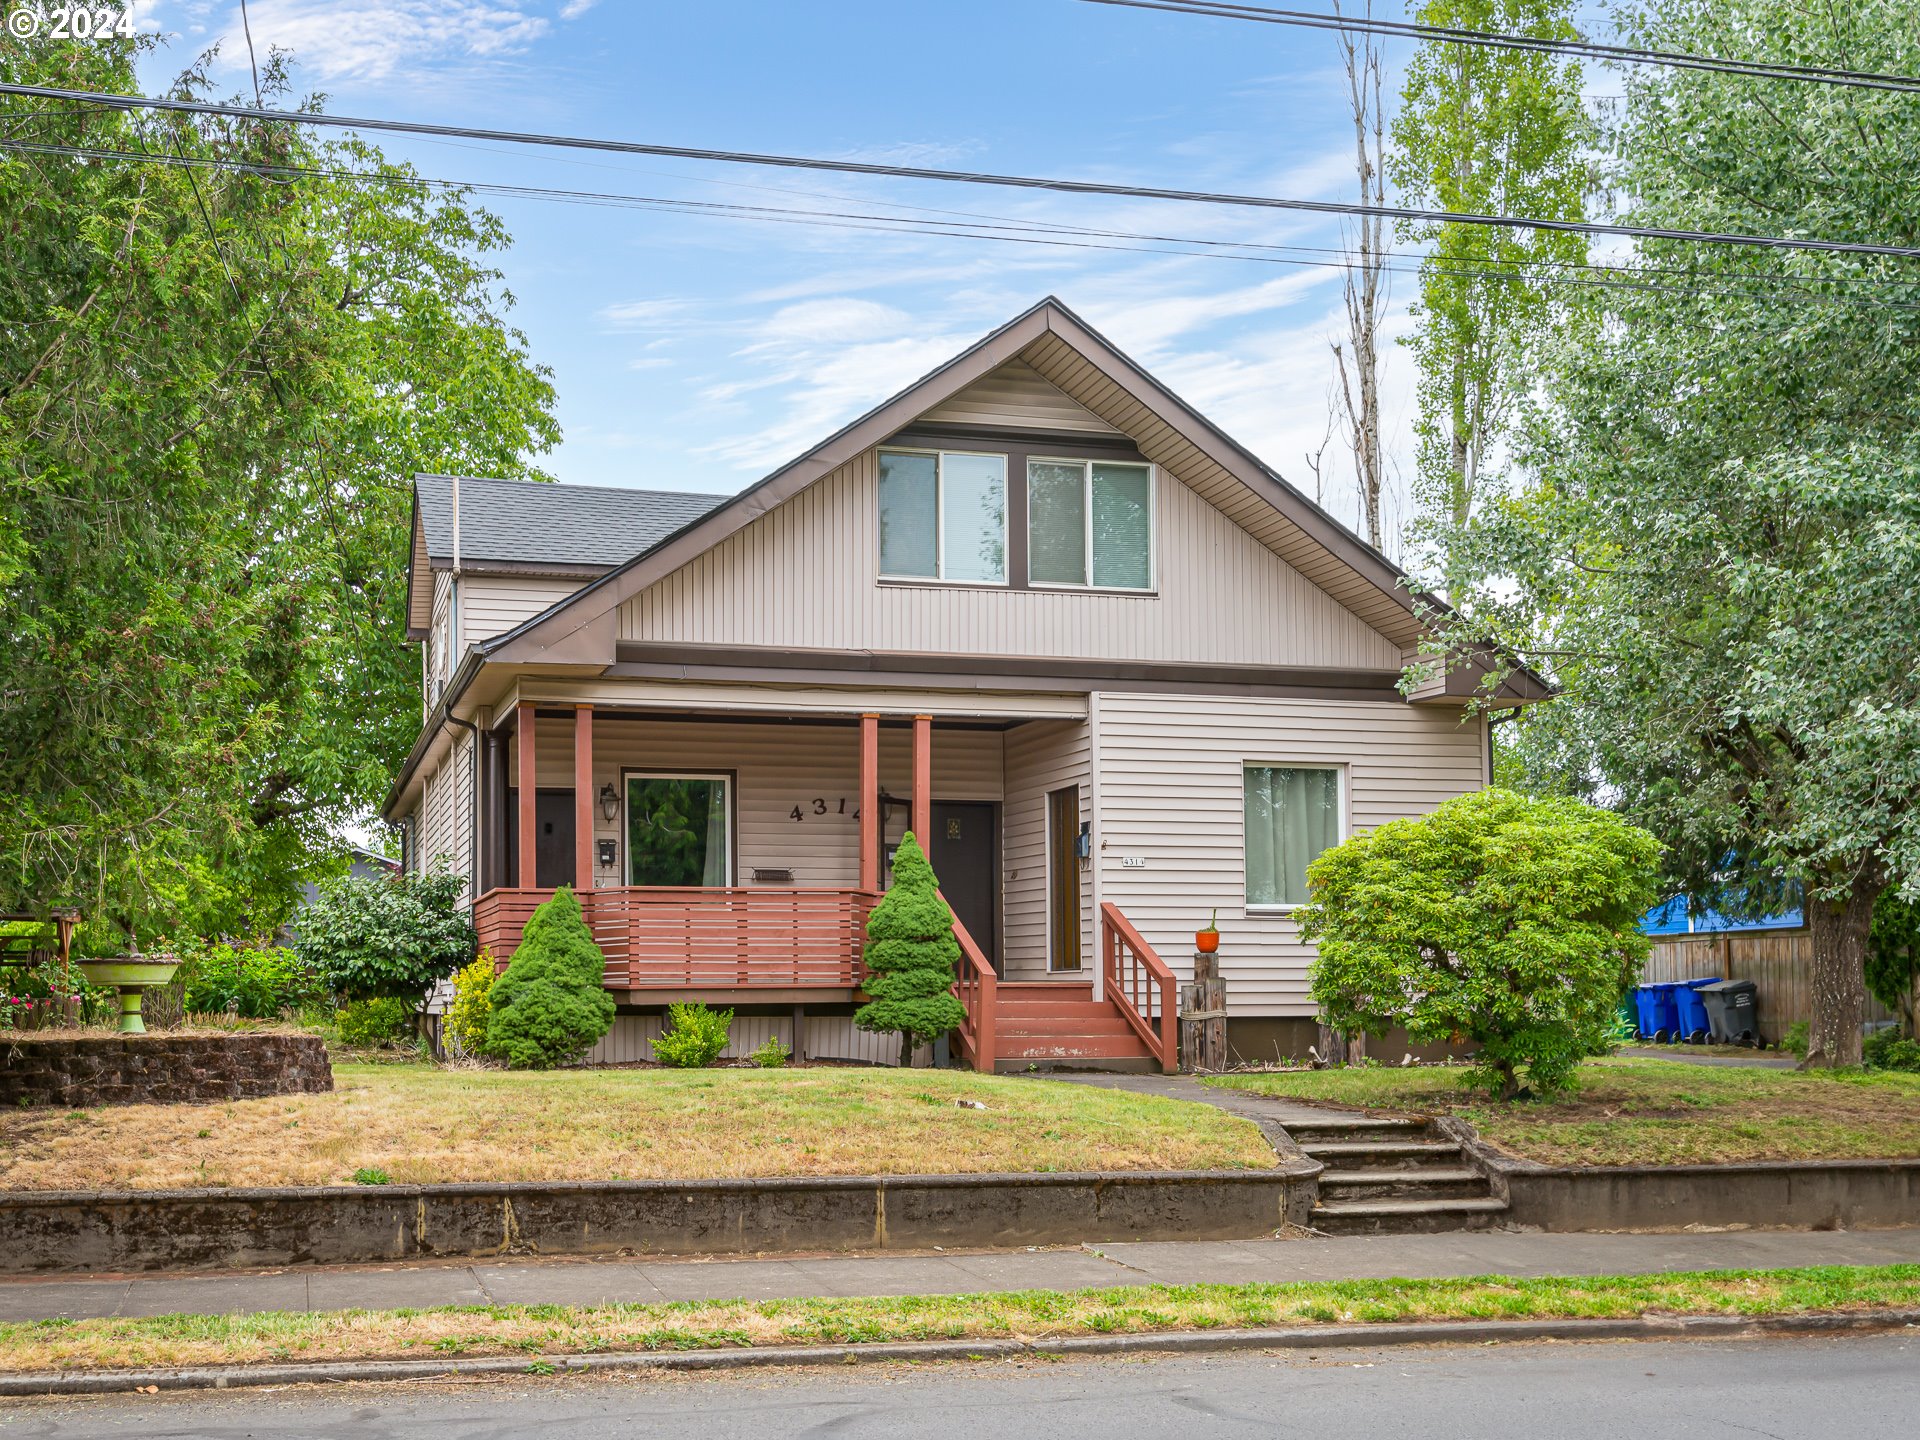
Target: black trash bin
[[1731, 1011]]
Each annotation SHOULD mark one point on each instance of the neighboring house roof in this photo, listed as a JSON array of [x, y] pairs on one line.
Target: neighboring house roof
[[536, 526]]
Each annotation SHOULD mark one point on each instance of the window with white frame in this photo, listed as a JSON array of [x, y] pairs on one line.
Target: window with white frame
[[1090, 523], [943, 516], [1293, 813], [679, 829]]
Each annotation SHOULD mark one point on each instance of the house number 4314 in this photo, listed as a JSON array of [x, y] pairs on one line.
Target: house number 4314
[[819, 806]]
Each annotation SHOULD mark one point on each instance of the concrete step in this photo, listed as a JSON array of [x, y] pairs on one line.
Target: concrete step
[[1425, 1183], [1070, 1047], [1356, 1127], [1406, 1217], [1381, 1154]]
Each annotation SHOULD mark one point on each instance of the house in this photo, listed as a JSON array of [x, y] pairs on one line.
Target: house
[[1114, 672]]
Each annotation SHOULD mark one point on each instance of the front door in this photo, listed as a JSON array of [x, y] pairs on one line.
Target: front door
[[1063, 879], [552, 838], [966, 858]]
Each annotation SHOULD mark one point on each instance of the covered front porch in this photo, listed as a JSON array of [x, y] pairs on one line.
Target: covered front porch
[[733, 857]]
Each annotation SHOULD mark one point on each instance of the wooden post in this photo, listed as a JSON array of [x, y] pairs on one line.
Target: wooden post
[[923, 781], [870, 803], [583, 801], [528, 784], [1203, 1016]]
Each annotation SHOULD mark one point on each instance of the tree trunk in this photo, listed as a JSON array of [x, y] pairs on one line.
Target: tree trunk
[[906, 1049], [1838, 929]]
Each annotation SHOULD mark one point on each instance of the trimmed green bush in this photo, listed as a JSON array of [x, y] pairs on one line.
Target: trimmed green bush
[[772, 1055], [1500, 919], [382, 1020], [911, 952], [472, 1005], [259, 982], [366, 936], [695, 1036], [550, 1005]]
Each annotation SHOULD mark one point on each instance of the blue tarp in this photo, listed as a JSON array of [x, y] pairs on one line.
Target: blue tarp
[[1671, 918]]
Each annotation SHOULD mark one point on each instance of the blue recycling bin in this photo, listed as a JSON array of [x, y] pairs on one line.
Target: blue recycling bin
[[1691, 1023], [1654, 1005]]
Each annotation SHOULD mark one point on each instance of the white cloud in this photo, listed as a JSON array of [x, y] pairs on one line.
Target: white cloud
[[574, 9], [337, 40], [642, 314], [835, 321]]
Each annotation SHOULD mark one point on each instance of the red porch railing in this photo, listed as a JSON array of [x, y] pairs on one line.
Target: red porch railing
[[1140, 986], [974, 983], [704, 938]]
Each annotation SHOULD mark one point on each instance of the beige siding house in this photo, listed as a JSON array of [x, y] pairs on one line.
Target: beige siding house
[[1112, 672]]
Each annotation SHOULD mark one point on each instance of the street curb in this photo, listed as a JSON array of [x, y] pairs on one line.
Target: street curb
[[1186, 1342]]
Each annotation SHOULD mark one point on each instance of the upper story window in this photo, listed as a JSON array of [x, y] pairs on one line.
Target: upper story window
[[1090, 522], [943, 516]]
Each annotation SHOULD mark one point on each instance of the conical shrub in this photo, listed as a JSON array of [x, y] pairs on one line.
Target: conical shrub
[[911, 952], [550, 1005]]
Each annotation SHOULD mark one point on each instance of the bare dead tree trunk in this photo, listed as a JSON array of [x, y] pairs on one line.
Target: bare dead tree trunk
[[1357, 364], [1838, 929]]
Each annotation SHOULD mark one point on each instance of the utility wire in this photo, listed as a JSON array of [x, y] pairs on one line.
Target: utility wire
[[1007, 231], [963, 177], [1584, 49]]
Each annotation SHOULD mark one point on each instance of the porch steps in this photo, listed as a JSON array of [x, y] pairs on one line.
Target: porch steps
[[1051, 1025], [1393, 1176]]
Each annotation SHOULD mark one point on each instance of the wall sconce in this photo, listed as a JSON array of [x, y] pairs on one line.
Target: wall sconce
[[609, 801]]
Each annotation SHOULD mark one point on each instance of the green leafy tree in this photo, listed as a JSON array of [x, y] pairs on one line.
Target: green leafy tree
[[550, 1005], [1503, 919], [371, 937], [1489, 132], [911, 952], [216, 377], [1716, 551], [1893, 958]]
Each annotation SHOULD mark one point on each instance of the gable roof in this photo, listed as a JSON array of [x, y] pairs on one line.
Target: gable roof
[[535, 525], [1091, 371]]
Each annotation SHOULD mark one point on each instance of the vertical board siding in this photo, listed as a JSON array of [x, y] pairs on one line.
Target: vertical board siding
[[1017, 395], [804, 576], [832, 1037], [1171, 794], [777, 768], [491, 605], [1040, 756], [1779, 962]]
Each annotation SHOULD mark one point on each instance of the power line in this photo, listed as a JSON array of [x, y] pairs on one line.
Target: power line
[[1044, 234], [962, 177], [1583, 49]]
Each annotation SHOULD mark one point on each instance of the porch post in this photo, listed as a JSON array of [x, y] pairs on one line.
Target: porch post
[[923, 781], [583, 800], [869, 803], [528, 783]]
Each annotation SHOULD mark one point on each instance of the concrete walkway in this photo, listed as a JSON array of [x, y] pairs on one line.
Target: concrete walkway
[[1752, 1060], [590, 1282]]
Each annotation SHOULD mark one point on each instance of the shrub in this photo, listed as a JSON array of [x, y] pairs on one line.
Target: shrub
[[472, 1007], [1506, 920], [772, 1055], [1796, 1038], [1890, 1050], [695, 1038], [371, 936], [911, 951], [550, 1005], [380, 1021], [259, 982], [1893, 958]]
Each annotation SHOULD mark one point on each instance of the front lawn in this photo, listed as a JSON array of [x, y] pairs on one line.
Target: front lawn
[[454, 1332], [415, 1124], [1646, 1112]]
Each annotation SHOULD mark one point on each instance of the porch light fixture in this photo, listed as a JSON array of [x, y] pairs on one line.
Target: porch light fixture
[[609, 801]]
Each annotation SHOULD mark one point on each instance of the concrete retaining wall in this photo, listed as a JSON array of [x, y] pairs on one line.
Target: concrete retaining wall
[[178, 1229], [76, 1071], [1771, 1194]]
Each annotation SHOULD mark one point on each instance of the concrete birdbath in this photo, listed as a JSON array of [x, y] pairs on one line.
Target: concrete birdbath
[[130, 974]]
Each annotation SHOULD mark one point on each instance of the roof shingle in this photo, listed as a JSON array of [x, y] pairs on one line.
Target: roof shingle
[[532, 522]]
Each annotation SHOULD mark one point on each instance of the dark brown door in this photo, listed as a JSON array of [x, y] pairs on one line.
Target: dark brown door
[[1063, 878], [966, 858], [552, 838]]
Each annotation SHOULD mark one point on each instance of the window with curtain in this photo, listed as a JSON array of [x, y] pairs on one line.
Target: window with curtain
[[1090, 522], [679, 830], [943, 516], [1293, 813]]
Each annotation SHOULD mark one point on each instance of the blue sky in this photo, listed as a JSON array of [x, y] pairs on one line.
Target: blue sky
[[697, 353]]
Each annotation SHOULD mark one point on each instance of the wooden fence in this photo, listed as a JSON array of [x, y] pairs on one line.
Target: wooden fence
[[1779, 962]]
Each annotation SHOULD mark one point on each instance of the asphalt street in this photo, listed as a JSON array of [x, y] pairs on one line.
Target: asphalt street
[[1860, 1387]]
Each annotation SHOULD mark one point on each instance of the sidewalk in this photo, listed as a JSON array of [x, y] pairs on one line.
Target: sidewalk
[[589, 1282]]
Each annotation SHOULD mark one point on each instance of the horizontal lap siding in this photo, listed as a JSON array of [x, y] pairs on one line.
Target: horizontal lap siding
[[444, 819], [1017, 395], [778, 767], [494, 604], [1042, 756], [804, 576], [1171, 794]]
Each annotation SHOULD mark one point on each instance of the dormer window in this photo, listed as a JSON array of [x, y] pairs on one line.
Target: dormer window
[[943, 516]]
